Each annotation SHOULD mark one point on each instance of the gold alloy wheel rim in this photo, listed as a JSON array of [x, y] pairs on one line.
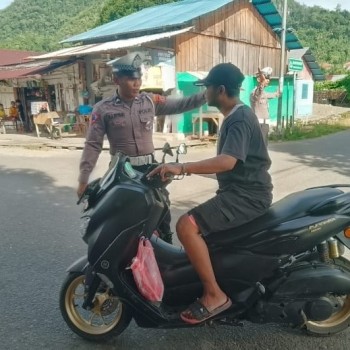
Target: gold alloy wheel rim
[[98, 314], [339, 317]]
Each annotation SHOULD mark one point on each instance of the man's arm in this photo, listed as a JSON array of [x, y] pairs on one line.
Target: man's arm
[[218, 164], [167, 105], [257, 93], [93, 146]]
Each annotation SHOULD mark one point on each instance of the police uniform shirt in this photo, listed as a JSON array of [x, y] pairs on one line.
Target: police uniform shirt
[[129, 128], [259, 102]]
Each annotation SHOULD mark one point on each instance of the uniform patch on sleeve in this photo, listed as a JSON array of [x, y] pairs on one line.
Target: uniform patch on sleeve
[[159, 99], [94, 117]]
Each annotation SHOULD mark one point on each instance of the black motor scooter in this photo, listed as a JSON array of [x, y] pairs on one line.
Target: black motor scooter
[[283, 267]]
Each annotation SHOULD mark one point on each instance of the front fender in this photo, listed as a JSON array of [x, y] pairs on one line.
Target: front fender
[[79, 265]]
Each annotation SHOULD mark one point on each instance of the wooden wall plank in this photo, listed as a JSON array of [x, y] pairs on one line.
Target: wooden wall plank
[[235, 33]]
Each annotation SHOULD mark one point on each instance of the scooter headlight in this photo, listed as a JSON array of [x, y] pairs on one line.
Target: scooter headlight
[[84, 223]]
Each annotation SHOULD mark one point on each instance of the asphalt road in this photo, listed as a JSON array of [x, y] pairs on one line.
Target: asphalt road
[[39, 223]]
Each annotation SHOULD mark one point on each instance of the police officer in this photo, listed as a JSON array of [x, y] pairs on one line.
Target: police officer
[[259, 99], [127, 120]]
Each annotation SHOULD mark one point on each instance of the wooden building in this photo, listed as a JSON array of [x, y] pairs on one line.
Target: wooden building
[[243, 32], [198, 34]]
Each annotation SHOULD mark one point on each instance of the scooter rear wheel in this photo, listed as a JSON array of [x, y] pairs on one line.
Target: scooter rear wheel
[[108, 318], [340, 320]]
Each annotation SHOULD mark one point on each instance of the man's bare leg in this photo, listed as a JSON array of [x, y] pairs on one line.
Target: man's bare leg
[[198, 254]]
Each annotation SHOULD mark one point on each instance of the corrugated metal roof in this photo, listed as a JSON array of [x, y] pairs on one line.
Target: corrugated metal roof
[[16, 73], [161, 17], [67, 52], [310, 60], [8, 57], [33, 68], [269, 12], [108, 46]]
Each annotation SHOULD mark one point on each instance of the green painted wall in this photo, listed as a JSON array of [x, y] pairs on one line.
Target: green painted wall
[[185, 85]]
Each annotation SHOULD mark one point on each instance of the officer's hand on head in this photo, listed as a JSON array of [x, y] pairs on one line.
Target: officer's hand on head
[[81, 188]]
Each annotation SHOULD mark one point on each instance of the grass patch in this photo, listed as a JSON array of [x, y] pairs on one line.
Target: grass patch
[[306, 132], [313, 129]]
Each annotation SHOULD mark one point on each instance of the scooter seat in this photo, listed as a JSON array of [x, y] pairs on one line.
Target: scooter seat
[[290, 207], [168, 252]]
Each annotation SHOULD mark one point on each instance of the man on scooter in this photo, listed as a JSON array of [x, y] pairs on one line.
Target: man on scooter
[[127, 120], [245, 188]]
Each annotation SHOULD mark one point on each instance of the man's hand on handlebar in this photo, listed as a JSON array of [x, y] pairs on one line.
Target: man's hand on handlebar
[[166, 171]]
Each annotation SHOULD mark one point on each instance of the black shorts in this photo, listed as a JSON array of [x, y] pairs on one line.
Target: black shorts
[[227, 210]]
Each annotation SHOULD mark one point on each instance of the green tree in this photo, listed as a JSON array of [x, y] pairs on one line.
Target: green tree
[[115, 9], [39, 25], [326, 32]]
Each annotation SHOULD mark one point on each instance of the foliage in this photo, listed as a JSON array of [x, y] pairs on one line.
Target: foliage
[[325, 32], [39, 25], [114, 9], [345, 83], [339, 85], [327, 85]]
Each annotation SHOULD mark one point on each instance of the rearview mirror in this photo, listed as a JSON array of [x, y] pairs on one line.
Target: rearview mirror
[[167, 149], [182, 149]]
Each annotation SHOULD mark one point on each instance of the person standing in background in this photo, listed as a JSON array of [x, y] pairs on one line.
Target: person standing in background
[[2, 118], [13, 111], [13, 114], [259, 99], [2, 112], [22, 115]]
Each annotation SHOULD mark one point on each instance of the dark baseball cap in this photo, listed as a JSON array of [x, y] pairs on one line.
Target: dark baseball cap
[[226, 74]]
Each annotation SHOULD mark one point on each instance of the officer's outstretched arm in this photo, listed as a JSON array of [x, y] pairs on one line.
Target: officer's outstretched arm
[[168, 105]]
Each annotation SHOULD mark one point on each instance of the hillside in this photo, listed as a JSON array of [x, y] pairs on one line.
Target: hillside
[[39, 25], [327, 33]]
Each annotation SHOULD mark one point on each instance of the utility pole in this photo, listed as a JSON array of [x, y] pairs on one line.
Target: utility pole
[[283, 64]]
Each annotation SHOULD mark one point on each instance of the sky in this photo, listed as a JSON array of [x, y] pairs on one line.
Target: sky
[[328, 4], [4, 3]]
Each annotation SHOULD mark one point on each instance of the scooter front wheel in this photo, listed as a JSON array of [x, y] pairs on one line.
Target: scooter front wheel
[[108, 318], [339, 320]]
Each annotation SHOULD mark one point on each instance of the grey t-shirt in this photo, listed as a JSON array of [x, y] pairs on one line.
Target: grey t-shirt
[[241, 138]]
